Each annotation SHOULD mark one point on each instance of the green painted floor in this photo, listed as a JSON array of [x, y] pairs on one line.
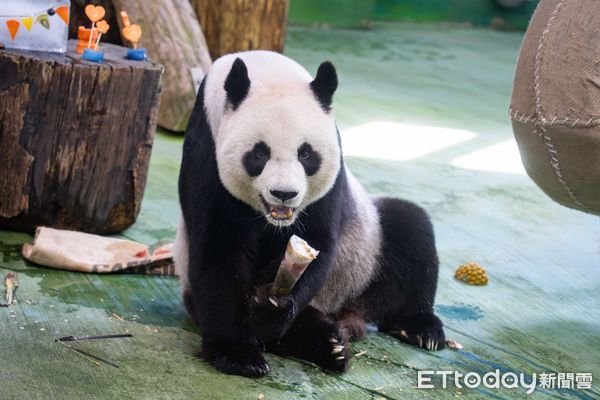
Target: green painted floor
[[423, 111]]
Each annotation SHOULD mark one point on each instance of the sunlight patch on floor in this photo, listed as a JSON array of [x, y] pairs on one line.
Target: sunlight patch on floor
[[399, 141], [501, 157]]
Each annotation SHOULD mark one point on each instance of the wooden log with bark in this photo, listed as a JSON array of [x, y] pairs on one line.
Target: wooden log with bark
[[173, 37], [75, 139], [237, 25]]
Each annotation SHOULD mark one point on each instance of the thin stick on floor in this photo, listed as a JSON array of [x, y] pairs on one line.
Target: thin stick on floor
[[79, 353], [95, 357]]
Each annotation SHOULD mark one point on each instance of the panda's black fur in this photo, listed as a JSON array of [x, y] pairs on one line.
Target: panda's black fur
[[233, 256]]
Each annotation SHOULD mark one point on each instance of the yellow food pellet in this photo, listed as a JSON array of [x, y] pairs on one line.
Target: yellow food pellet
[[472, 273]]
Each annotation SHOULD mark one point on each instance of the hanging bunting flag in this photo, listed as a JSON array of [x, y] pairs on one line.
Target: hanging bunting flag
[[28, 22], [13, 27], [43, 20], [63, 12]]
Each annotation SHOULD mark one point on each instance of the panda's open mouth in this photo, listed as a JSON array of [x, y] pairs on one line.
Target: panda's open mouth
[[278, 212]]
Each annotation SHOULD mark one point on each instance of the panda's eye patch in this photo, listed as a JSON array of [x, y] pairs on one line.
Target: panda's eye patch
[[304, 153], [260, 152], [255, 160], [309, 158]]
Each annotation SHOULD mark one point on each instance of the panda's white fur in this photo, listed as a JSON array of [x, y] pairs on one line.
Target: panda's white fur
[[358, 252], [180, 254], [299, 118], [262, 67]]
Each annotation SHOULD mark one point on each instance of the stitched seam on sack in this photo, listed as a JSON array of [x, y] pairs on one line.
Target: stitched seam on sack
[[562, 121], [541, 121], [555, 163], [538, 62]]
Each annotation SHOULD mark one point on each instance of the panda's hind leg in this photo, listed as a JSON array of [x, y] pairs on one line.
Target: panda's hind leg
[[400, 300], [316, 338], [352, 323]]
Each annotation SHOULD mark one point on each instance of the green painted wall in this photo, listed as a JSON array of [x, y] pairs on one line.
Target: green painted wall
[[475, 12], [359, 13], [339, 13]]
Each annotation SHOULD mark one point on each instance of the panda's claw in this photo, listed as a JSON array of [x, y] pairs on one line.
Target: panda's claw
[[424, 331], [419, 341], [337, 349]]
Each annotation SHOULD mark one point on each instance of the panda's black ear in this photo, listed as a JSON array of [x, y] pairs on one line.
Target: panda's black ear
[[237, 83], [324, 84]]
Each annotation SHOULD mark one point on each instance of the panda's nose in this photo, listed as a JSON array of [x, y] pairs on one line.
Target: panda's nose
[[283, 195]]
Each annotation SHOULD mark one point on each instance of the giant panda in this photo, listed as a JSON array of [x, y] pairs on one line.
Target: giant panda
[[262, 160]]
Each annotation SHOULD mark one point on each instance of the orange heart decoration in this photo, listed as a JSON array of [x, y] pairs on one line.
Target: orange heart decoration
[[102, 27], [94, 13], [132, 33]]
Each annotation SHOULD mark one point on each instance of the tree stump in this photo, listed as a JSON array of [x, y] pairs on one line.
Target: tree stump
[[173, 37], [75, 139], [237, 25]]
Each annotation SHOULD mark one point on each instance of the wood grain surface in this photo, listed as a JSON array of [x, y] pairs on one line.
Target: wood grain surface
[[239, 25], [75, 139]]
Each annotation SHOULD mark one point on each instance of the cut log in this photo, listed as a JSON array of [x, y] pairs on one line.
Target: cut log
[[173, 37], [237, 25], [75, 139]]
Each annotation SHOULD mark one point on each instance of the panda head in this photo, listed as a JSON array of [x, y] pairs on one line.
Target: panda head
[[277, 143]]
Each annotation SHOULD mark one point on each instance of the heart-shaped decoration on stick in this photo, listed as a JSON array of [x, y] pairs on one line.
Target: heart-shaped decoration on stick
[[102, 27], [133, 33], [94, 13]]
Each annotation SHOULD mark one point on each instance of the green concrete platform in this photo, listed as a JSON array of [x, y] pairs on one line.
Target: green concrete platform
[[423, 111]]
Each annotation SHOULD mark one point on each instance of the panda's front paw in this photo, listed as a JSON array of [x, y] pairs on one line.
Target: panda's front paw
[[271, 317]]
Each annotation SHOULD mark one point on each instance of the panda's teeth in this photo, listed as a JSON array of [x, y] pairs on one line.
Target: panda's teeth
[[281, 212]]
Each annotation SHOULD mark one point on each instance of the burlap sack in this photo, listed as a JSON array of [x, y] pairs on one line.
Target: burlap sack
[[555, 108]]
